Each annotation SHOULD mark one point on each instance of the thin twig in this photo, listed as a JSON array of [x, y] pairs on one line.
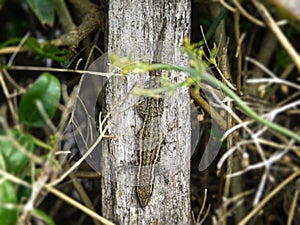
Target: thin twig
[[278, 188], [50, 69], [77, 204], [293, 207], [247, 15], [278, 33]]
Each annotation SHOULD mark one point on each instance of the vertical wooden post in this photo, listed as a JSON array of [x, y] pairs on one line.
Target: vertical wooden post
[[134, 27]]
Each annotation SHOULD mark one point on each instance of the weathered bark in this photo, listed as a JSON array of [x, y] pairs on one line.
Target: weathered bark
[[135, 27]]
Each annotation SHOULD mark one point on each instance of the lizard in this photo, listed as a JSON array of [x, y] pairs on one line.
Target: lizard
[[150, 143], [150, 135]]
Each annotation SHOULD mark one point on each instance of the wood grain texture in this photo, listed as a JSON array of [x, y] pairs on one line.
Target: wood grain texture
[[134, 27]]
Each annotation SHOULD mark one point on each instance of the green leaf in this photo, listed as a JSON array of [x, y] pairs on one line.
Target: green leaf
[[24, 192], [1, 3], [8, 213], [14, 159], [34, 45], [10, 42], [46, 91], [53, 52], [40, 214], [48, 50], [42, 51], [44, 10]]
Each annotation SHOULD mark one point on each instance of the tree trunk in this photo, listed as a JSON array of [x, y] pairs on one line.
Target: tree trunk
[[135, 28]]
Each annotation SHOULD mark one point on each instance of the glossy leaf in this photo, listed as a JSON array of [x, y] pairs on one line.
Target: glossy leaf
[[8, 199], [44, 10], [46, 91], [14, 159], [43, 216]]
